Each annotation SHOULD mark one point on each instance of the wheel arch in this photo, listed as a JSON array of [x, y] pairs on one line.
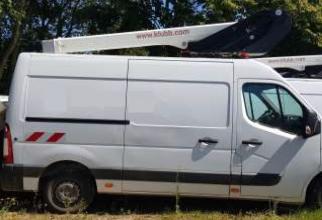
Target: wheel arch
[[60, 165], [310, 185]]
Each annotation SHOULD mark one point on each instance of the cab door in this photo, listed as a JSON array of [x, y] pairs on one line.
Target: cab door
[[274, 157]]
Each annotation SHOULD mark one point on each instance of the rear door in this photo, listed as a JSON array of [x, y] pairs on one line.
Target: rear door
[[179, 137]]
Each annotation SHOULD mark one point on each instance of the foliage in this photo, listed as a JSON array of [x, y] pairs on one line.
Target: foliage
[[23, 24], [12, 14]]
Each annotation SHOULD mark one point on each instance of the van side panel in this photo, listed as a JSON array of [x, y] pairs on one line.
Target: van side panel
[[82, 109], [171, 105], [71, 114]]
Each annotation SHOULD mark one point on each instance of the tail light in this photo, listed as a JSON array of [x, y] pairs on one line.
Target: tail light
[[7, 146]]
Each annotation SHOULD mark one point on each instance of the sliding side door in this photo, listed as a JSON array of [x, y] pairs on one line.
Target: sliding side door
[[179, 136]]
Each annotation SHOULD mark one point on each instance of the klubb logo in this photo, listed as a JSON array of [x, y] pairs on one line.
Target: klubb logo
[[160, 33]]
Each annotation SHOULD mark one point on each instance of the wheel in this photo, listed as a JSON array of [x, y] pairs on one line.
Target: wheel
[[314, 196], [68, 192]]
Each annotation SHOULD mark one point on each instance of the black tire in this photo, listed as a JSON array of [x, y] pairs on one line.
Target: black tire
[[314, 195], [68, 192]]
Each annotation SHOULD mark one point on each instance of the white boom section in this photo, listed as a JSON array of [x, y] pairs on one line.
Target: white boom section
[[293, 62], [177, 37]]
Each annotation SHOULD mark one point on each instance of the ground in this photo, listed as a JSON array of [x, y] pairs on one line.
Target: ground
[[27, 206]]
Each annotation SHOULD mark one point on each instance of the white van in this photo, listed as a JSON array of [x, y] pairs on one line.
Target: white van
[[231, 128]]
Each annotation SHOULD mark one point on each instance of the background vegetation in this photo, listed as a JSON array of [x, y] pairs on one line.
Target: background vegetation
[[24, 23], [156, 208]]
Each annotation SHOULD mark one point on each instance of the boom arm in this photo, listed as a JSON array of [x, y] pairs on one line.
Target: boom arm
[[296, 66], [298, 63], [177, 37], [256, 35]]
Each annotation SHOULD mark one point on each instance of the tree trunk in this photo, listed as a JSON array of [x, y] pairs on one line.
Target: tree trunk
[[10, 48], [13, 42]]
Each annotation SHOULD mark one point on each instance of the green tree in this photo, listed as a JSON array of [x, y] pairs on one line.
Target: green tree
[[12, 14]]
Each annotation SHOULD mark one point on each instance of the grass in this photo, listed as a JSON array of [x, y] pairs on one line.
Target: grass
[[312, 215], [155, 208]]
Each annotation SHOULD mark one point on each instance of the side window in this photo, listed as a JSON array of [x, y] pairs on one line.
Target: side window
[[273, 106], [292, 112]]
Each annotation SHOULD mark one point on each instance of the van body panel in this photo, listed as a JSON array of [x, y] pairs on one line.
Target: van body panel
[[71, 110], [281, 153], [78, 66], [17, 95], [171, 105], [56, 102]]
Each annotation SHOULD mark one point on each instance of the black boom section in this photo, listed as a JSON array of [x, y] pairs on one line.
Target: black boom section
[[257, 35], [314, 72]]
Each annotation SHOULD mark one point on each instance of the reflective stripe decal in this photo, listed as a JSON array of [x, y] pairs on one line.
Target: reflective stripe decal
[[55, 137], [35, 136], [44, 137]]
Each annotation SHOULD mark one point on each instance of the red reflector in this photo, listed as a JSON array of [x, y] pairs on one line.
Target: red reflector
[[244, 54], [234, 190], [55, 137], [35, 136]]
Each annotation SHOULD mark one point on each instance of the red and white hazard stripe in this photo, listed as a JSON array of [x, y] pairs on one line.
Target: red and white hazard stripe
[[43, 137], [35, 136]]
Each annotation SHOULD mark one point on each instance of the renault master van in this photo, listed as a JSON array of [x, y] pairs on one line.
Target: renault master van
[[77, 125]]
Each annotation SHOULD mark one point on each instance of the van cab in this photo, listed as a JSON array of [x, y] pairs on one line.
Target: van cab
[[77, 125]]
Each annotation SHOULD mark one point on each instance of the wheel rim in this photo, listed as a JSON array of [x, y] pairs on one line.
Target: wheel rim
[[67, 193]]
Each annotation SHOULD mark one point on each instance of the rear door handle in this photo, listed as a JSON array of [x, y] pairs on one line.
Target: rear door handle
[[252, 142], [207, 140]]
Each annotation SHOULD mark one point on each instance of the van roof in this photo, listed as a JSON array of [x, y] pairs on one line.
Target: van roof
[[64, 65], [89, 56]]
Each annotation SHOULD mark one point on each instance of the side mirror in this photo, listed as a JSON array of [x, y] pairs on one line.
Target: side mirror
[[312, 124]]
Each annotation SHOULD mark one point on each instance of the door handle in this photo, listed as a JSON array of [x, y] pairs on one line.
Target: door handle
[[252, 142], [207, 141]]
